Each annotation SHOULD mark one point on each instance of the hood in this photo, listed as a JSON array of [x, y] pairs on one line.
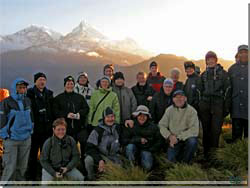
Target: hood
[[159, 75], [13, 91]]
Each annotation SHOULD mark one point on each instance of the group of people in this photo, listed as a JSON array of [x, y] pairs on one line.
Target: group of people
[[110, 120]]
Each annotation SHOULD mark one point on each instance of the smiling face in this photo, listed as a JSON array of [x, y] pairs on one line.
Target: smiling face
[[119, 82], [83, 80], [142, 118], [59, 131], [189, 71], [211, 62], [108, 72], [168, 89], [104, 84], [179, 100], [109, 120], [69, 86], [41, 83]]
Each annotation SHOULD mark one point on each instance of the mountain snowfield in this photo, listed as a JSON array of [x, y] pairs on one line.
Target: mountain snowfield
[[82, 39]]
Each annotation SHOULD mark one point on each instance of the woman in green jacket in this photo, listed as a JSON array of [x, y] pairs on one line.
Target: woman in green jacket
[[102, 98]]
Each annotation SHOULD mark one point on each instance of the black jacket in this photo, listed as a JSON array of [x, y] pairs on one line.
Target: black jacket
[[192, 89], [41, 103], [142, 93], [159, 104], [216, 88], [178, 86], [238, 73], [65, 103], [148, 131]]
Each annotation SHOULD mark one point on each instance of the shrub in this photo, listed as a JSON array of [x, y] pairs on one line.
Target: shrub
[[185, 172]]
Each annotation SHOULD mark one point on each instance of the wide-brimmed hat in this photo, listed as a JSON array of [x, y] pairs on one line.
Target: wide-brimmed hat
[[141, 109]]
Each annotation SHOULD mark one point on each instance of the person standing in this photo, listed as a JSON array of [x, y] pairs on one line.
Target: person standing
[[41, 101], [155, 78], [175, 76], [238, 73], [83, 86], [126, 97], [192, 87], [162, 100], [74, 109], [142, 91], [15, 129], [215, 102], [102, 98]]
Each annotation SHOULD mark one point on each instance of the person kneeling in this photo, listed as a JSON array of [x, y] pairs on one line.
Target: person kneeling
[[60, 155], [103, 144], [143, 138], [180, 127]]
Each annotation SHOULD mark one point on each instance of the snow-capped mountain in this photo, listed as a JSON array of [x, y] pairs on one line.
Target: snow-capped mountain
[[82, 39], [28, 37]]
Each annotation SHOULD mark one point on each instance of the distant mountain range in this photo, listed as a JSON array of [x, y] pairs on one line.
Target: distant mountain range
[[84, 49], [84, 39]]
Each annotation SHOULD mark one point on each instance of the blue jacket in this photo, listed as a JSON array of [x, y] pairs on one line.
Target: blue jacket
[[15, 115]]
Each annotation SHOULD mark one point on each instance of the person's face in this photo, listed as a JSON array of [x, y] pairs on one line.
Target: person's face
[[243, 56], [21, 88], [142, 118], [59, 131], [83, 80], [211, 62], [109, 120], [167, 89], [41, 83], [175, 76], [69, 86], [179, 100], [104, 84], [189, 71], [108, 72], [141, 79], [154, 70], [119, 82]]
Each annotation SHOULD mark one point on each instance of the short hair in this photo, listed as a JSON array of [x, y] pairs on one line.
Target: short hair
[[141, 73], [59, 121], [175, 70]]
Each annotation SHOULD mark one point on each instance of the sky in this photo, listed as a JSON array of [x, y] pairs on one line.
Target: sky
[[187, 28]]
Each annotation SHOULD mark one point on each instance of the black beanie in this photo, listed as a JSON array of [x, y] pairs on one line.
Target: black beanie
[[118, 75], [68, 78], [107, 111], [38, 75], [189, 64], [153, 64]]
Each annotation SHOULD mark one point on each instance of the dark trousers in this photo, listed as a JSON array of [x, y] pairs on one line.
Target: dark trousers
[[212, 118], [37, 141], [238, 127], [183, 151]]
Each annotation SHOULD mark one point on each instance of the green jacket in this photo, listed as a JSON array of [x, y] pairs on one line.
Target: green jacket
[[111, 100], [183, 122], [57, 153]]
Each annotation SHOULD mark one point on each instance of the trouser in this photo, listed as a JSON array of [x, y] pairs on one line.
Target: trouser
[[37, 141], [73, 175], [91, 167], [146, 156], [212, 118], [15, 159], [183, 151], [238, 127]]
